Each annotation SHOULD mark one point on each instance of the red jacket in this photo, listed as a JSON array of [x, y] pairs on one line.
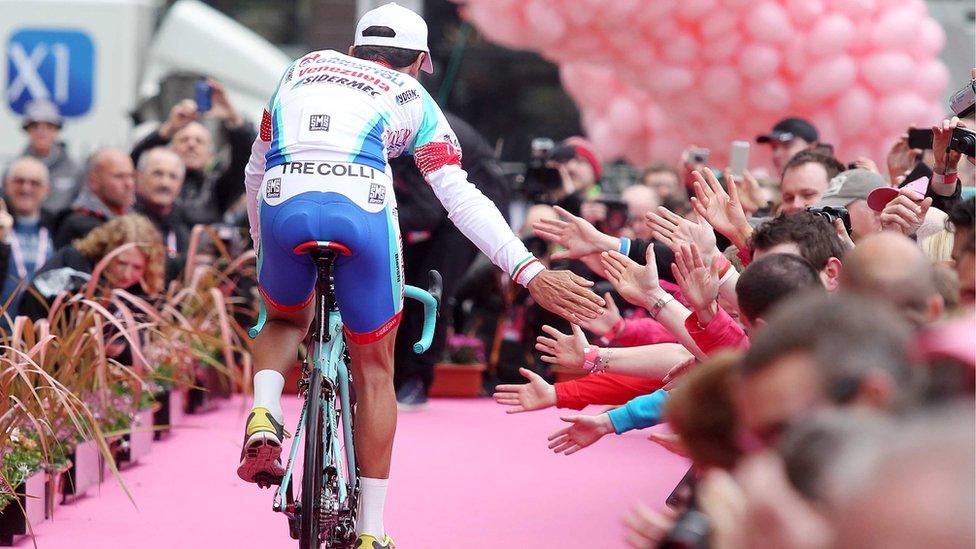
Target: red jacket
[[723, 332], [605, 388]]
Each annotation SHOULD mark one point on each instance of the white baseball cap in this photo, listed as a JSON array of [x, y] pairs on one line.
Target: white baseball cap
[[410, 30]]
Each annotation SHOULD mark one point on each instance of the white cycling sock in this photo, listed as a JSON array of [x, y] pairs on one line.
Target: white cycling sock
[[267, 392], [371, 502]]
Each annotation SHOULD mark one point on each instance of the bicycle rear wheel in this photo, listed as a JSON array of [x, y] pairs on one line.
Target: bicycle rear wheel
[[312, 468]]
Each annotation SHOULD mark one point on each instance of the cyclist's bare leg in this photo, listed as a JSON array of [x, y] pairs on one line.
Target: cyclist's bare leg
[[376, 412], [276, 348], [376, 415]]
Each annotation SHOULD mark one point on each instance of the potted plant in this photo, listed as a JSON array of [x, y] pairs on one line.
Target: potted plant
[[22, 485], [460, 375]]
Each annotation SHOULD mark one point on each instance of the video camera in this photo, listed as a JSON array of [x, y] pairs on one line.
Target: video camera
[[541, 177]]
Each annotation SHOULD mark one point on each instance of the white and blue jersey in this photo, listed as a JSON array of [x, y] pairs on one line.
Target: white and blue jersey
[[329, 129]]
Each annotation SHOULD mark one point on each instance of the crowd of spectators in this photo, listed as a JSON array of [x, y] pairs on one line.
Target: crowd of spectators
[[812, 351], [817, 368], [60, 218]]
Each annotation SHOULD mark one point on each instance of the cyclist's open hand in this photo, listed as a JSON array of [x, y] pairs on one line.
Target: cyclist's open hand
[[566, 294], [584, 431], [537, 394]]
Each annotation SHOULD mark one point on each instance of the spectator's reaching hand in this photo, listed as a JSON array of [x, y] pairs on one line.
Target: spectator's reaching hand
[[537, 394], [634, 282], [842, 234], [180, 115], [6, 221], [584, 431], [578, 236], [946, 161], [901, 159], [605, 322], [905, 213], [670, 442], [563, 349], [675, 231], [671, 379], [647, 528], [221, 107], [699, 283], [751, 193], [721, 209]]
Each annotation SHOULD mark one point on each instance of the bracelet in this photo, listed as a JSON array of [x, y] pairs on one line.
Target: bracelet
[[591, 356], [602, 362], [727, 276], [624, 246], [660, 304], [725, 265]]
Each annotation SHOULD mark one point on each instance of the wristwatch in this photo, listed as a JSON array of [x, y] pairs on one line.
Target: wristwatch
[[660, 304]]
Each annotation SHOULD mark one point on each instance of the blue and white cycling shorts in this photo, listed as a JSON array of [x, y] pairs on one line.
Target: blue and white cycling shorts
[[344, 202]]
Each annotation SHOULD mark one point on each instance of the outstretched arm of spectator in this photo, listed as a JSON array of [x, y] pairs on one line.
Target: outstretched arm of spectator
[[675, 231], [607, 388], [537, 394], [721, 209], [945, 183], [578, 236], [648, 528], [583, 431], [569, 351], [639, 285]]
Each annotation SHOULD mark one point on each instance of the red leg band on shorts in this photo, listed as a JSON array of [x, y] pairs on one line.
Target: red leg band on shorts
[[375, 335], [285, 308]]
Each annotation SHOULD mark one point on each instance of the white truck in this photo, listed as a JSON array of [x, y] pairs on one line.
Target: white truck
[[107, 63]]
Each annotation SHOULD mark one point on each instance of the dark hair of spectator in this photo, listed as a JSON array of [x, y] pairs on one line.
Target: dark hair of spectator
[[709, 431], [963, 214], [845, 336], [396, 58], [770, 279], [831, 164], [813, 235]]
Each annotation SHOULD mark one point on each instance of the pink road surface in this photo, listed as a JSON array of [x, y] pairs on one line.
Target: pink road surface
[[465, 474]]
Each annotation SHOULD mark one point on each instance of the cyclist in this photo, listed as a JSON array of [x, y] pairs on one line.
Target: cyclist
[[318, 171]]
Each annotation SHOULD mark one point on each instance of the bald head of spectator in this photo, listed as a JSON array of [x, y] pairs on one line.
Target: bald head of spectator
[[111, 177], [160, 178], [194, 144], [890, 267], [640, 199], [26, 186]]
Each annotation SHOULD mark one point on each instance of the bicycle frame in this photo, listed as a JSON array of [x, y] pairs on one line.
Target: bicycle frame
[[326, 353]]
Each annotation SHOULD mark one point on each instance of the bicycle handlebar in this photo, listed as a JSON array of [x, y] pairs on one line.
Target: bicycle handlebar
[[430, 298]]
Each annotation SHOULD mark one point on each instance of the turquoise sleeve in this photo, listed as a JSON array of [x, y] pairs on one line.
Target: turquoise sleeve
[[640, 413]]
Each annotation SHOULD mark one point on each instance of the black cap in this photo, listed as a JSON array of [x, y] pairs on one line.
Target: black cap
[[789, 128]]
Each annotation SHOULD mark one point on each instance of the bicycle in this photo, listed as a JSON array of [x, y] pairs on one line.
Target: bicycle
[[328, 503]]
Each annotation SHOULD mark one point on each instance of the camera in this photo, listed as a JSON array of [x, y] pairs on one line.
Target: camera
[[541, 178], [698, 156], [830, 214], [963, 102], [963, 141]]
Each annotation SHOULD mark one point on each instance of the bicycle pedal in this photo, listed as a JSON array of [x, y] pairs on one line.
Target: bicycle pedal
[[267, 480]]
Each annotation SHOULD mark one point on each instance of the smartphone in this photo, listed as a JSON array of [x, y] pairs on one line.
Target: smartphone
[[698, 156], [920, 138], [203, 95], [739, 158]]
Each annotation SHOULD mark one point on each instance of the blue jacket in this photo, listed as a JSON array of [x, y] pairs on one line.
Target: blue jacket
[[640, 413]]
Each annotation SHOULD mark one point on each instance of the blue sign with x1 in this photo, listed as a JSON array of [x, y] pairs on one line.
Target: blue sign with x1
[[53, 64]]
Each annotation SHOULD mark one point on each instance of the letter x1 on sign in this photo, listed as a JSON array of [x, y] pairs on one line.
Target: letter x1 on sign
[[53, 64]]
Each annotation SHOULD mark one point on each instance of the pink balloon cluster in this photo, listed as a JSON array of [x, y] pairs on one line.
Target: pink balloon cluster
[[652, 76]]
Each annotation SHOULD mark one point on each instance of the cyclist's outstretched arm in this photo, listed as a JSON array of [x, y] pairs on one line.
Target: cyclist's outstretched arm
[[438, 156]]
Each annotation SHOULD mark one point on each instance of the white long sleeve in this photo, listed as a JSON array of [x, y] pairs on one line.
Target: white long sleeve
[[253, 177]]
